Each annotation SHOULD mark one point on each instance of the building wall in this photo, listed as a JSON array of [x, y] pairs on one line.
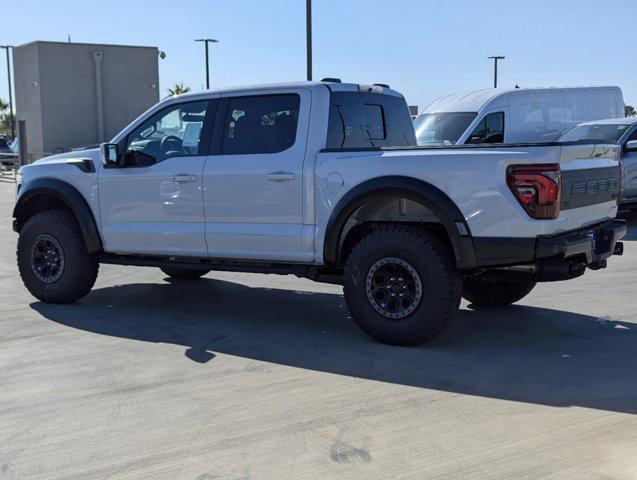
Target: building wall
[[62, 77], [27, 99]]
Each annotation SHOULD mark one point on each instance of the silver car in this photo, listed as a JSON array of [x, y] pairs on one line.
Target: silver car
[[622, 131]]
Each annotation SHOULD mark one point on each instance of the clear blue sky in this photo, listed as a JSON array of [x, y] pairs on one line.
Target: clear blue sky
[[423, 48]]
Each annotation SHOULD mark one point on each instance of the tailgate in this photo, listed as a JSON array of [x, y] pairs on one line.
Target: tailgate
[[590, 181]]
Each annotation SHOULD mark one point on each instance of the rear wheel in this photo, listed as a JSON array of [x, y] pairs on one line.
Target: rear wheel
[[184, 273], [496, 293], [52, 258], [401, 285]]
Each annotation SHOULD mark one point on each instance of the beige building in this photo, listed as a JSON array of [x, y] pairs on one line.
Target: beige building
[[78, 94]]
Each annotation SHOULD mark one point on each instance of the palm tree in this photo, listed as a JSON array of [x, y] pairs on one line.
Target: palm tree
[[5, 118], [178, 89]]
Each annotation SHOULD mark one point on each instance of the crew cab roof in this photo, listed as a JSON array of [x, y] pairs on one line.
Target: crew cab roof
[[332, 86], [475, 100]]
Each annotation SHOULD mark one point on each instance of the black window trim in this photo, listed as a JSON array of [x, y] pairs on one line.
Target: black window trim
[[204, 137], [218, 136], [483, 119], [631, 131], [368, 99]]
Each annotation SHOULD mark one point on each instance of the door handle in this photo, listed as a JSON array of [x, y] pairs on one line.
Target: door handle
[[184, 178], [280, 176]]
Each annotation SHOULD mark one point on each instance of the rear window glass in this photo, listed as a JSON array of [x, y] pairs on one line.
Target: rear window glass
[[368, 120], [599, 132]]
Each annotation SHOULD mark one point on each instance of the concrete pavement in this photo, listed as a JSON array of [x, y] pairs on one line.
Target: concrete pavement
[[241, 376]]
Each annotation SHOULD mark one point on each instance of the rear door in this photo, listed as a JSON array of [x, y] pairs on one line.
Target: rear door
[[253, 180]]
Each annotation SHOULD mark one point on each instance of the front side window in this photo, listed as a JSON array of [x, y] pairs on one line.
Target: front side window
[[260, 124], [489, 130], [444, 128], [172, 132]]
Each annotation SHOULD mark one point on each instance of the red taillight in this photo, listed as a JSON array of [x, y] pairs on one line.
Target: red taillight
[[537, 188]]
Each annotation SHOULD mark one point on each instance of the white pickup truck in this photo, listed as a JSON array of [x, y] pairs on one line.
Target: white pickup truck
[[322, 180]]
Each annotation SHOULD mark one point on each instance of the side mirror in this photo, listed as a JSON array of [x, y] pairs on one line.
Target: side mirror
[[110, 154], [631, 146]]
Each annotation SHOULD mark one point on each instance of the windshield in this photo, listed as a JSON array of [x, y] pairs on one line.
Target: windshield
[[603, 132], [442, 128]]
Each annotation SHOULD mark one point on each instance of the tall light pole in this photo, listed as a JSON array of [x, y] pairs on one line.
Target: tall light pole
[[206, 41], [495, 69], [11, 122], [308, 35]]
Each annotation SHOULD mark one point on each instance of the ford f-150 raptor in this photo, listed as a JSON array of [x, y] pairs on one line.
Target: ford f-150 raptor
[[323, 180]]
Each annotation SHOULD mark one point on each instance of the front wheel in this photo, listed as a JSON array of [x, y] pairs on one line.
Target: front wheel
[[401, 285], [52, 258], [496, 293]]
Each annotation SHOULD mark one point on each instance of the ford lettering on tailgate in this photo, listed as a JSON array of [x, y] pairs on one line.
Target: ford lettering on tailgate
[[581, 188]]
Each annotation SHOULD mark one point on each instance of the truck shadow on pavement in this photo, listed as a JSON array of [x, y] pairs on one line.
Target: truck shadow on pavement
[[519, 353]]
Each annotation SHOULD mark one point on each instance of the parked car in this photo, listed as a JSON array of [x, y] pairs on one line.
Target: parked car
[[622, 131], [7, 157], [324, 181], [4, 145], [519, 115]]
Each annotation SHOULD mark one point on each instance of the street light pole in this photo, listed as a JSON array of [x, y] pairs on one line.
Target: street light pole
[[495, 68], [11, 122], [206, 41], [308, 33]]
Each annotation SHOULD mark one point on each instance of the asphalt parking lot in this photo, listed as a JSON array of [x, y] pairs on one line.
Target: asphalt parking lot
[[241, 376]]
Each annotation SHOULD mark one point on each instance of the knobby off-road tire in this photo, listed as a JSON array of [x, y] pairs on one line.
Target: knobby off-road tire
[[52, 258], [408, 260], [495, 293], [180, 273]]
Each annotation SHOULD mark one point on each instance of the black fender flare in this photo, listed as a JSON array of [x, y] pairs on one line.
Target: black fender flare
[[68, 195], [417, 190]]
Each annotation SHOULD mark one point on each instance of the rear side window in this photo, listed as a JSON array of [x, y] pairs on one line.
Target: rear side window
[[260, 124], [368, 120], [489, 130]]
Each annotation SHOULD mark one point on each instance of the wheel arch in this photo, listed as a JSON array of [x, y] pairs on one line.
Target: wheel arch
[[390, 188], [51, 193]]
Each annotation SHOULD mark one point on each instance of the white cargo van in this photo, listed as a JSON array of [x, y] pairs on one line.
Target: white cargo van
[[521, 115]]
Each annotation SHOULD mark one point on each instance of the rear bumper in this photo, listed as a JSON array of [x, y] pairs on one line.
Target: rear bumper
[[590, 246], [594, 244]]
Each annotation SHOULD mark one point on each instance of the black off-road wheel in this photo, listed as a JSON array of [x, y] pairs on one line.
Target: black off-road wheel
[[401, 285], [52, 258], [495, 293], [184, 273]]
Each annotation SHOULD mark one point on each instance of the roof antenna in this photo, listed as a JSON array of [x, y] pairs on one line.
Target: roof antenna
[[69, 37]]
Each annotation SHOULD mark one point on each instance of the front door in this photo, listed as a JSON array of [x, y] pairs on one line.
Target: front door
[[153, 204], [253, 181]]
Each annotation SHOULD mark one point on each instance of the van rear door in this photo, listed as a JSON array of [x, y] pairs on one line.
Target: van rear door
[[535, 116], [586, 104]]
